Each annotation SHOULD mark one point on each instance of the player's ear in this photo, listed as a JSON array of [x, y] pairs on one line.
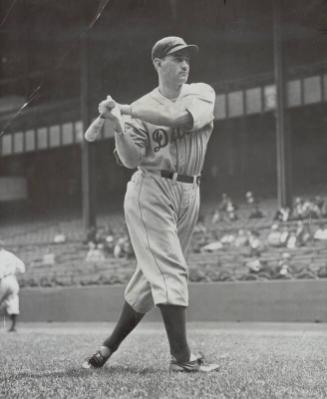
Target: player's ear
[[157, 63]]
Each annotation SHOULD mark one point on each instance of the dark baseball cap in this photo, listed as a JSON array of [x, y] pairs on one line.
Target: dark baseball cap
[[172, 44]]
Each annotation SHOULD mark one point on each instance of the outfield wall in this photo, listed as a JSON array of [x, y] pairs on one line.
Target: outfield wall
[[301, 300]]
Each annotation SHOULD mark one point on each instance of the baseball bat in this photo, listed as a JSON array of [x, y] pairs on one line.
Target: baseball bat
[[94, 129]]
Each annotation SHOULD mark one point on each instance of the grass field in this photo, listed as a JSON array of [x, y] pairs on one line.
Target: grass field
[[257, 361]]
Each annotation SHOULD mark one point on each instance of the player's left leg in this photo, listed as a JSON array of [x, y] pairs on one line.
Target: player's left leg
[[12, 301], [13, 318], [128, 320]]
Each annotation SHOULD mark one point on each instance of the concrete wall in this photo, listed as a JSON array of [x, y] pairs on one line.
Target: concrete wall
[[304, 301]]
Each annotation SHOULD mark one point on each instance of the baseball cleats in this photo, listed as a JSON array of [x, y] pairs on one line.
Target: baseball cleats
[[96, 361], [195, 364]]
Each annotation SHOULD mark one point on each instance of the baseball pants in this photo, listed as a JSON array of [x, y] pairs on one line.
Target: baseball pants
[[9, 290], [160, 215]]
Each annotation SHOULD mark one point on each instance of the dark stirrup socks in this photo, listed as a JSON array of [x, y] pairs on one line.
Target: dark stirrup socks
[[175, 324], [128, 320]]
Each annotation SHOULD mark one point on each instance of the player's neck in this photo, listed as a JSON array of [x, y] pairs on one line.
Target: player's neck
[[169, 91]]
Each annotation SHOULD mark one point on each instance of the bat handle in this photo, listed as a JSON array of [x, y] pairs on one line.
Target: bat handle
[[94, 129]]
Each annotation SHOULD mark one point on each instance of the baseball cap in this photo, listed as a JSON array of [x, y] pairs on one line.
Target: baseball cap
[[171, 44]]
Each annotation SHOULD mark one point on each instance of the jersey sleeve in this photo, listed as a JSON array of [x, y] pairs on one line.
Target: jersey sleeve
[[200, 103], [131, 145]]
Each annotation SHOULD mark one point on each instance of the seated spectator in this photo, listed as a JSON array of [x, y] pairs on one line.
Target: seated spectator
[[90, 236], [292, 241], [212, 246], [226, 209], [216, 217], [321, 205], [227, 239], [283, 267], [321, 232], [254, 265], [59, 237], [123, 248], [95, 254], [222, 207], [255, 212], [256, 246], [303, 233], [241, 239], [231, 212], [298, 212], [284, 236], [274, 236], [200, 227], [282, 214], [311, 210], [109, 244]]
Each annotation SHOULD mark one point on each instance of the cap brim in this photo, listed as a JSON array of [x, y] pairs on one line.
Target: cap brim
[[192, 49]]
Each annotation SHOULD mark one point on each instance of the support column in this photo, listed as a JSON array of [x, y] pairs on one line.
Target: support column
[[283, 133], [88, 149]]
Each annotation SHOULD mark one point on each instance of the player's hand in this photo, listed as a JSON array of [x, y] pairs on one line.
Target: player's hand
[[106, 106]]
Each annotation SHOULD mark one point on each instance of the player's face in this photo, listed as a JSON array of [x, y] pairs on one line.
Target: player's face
[[175, 68]]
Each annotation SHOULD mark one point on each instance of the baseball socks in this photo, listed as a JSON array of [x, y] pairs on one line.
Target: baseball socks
[[13, 318], [128, 320], [175, 325]]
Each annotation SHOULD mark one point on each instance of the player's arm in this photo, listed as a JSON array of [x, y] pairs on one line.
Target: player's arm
[[131, 144], [20, 266], [200, 104], [169, 115], [130, 136]]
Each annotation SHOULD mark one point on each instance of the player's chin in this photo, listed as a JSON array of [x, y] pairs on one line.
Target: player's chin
[[183, 78]]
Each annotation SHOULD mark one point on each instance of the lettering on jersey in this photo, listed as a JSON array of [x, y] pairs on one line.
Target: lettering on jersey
[[161, 138]]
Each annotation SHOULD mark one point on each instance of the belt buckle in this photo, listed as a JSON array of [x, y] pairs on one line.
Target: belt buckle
[[175, 176], [197, 180]]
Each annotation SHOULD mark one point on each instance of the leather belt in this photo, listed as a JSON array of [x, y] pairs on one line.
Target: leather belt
[[182, 178]]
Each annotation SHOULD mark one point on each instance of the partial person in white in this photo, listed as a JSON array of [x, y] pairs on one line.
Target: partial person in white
[[10, 266], [164, 134]]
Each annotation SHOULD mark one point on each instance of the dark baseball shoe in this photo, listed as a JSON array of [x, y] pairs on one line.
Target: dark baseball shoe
[[96, 361], [195, 364]]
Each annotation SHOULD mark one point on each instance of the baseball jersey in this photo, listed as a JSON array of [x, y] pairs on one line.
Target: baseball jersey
[[10, 264], [181, 150]]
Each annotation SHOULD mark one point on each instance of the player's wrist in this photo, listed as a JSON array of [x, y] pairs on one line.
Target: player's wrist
[[127, 109]]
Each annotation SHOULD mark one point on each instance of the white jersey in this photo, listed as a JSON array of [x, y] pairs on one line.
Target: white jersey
[[173, 149], [10, 264]]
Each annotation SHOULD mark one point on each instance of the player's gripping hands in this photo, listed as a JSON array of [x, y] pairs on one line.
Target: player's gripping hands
[[110, 109]]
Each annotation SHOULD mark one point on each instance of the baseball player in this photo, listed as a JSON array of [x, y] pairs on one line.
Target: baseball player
[[10, 265], [164, 135]]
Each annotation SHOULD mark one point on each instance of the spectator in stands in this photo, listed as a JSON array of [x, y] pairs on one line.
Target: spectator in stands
[[321, 205], [282, 214], [255, 244], [283, 267], [255, 212], [284, 236], [298, 212], [226, 209], [274, 236], [91, 236], [59, 237], [200, 227], [123, 248], [10, 266], [321, 232], [241, 239], [303, 233], [95, 253]]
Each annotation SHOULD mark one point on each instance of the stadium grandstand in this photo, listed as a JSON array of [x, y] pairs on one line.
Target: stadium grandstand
[[58, 61]]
